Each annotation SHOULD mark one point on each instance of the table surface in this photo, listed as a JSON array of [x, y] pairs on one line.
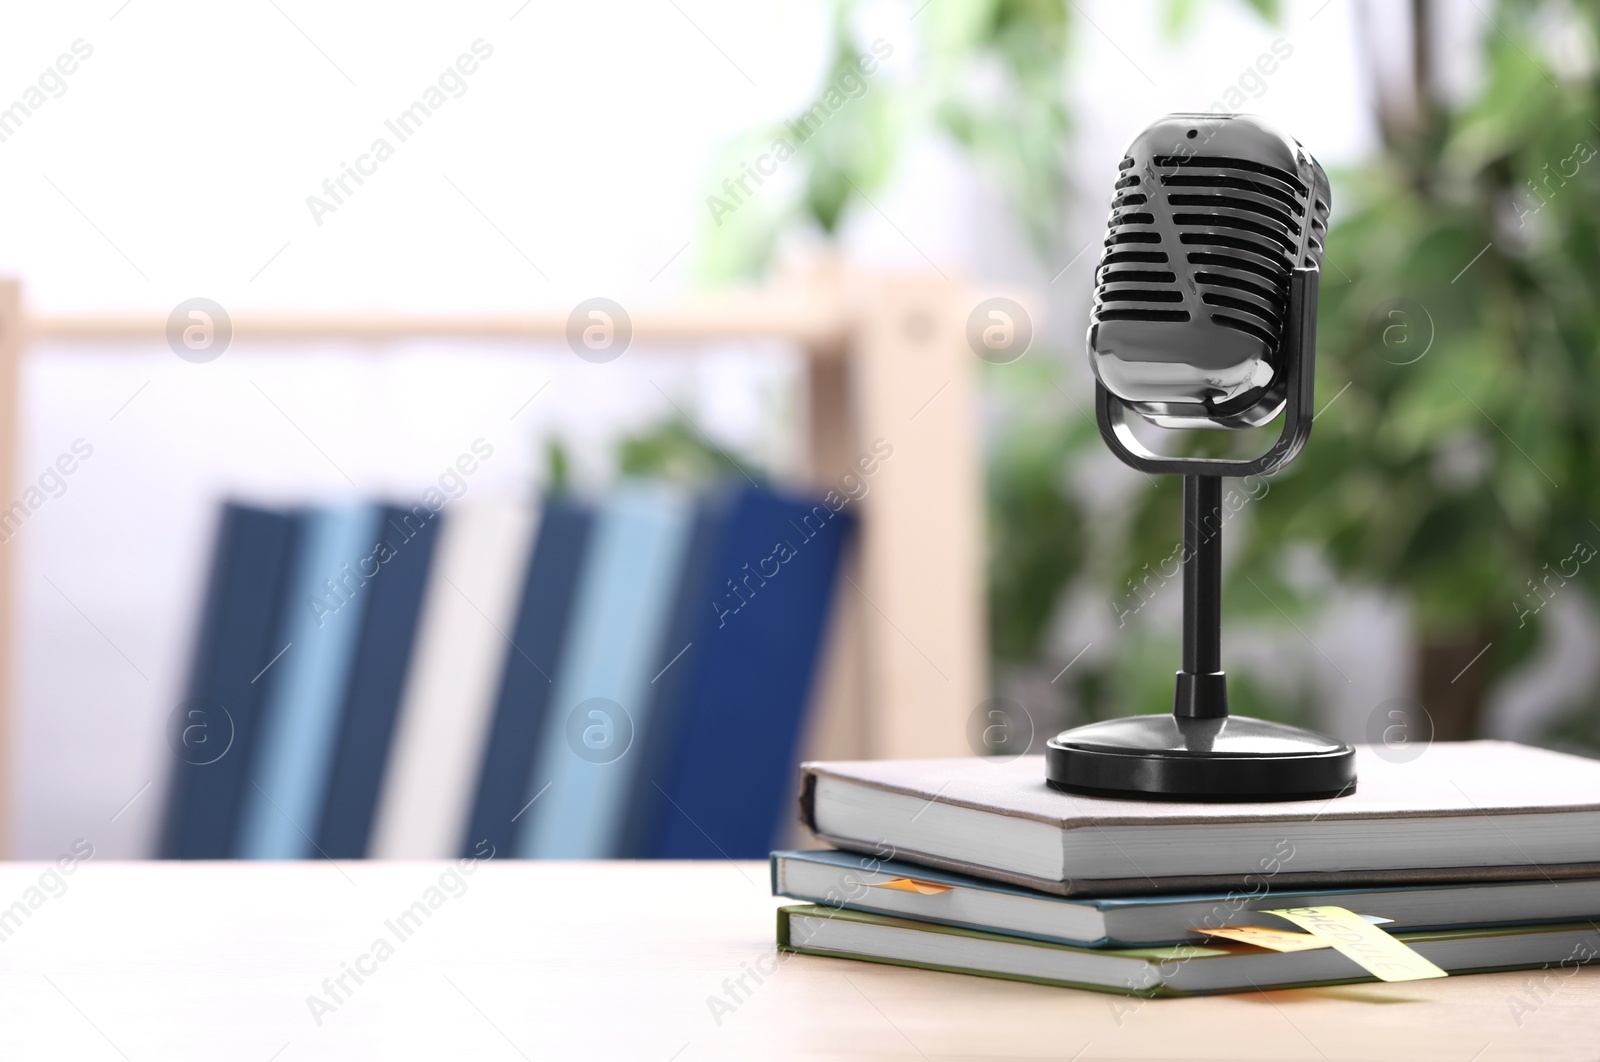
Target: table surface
[[621, 961]]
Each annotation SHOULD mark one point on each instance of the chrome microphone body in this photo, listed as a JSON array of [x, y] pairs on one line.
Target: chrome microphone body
[[1210, 217]]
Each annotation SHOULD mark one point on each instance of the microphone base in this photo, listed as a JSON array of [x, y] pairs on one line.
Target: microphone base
[[1224, 759]]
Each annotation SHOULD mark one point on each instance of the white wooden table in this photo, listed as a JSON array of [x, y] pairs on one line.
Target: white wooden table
[[165, 961]]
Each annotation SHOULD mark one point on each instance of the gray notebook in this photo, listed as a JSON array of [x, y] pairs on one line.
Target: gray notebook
[[1462, 811]]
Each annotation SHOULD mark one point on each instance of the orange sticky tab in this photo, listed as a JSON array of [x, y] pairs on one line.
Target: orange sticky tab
[[921, 888], [1361, 942], [1274, 939]]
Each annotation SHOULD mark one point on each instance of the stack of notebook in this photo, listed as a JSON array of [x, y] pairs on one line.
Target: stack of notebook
[[565, 679], [1474, 856]]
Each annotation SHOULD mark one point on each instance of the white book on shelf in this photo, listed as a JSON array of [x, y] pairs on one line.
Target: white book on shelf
[[468, 610]]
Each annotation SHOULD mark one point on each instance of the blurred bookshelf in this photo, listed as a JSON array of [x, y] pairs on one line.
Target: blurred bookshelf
[[885, 358]]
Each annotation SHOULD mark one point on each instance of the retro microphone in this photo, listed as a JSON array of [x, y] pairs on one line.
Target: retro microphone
[[1204, 316]]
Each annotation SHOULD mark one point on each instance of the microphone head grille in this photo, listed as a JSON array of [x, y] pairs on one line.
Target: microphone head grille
[[1209, 217]]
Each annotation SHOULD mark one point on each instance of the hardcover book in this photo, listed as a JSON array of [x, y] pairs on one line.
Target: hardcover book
[[543, 617], [742, 677], [1463, 811], [213, 734], [584, 773], [888, 887], [306, 685], [1183, 969], [461, 651], [399, 572]]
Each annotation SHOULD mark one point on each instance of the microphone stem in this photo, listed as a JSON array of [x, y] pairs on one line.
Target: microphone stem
[[1202, 598]]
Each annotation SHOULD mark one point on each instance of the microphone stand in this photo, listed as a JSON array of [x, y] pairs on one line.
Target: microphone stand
[[1202, 691], [1200, 752]]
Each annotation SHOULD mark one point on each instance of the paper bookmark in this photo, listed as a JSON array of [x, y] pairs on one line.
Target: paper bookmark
[[1274, 939], [1363, 943], [921, 888]]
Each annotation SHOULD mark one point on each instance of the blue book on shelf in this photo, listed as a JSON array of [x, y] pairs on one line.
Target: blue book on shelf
[[727, 778], [306, 686], [537, 639], [583, 776], [213, 730], [655, 741], [383, 651]]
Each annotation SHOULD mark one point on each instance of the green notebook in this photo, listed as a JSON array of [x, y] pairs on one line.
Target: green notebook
[[1177, 970]]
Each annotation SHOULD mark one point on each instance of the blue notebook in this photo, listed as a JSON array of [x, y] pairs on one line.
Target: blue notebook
[[583, 776], [538, 639], [746, 680], [383, 651], [212, 732], [306, 687], [908, 890]]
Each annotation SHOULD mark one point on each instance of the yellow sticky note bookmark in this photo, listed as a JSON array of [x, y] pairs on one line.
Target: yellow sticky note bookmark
[[1274, 939], [1361, 942], [921, 888]]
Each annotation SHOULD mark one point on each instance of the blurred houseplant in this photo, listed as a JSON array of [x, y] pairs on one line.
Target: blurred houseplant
[[1453, 464], [991, 76]]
